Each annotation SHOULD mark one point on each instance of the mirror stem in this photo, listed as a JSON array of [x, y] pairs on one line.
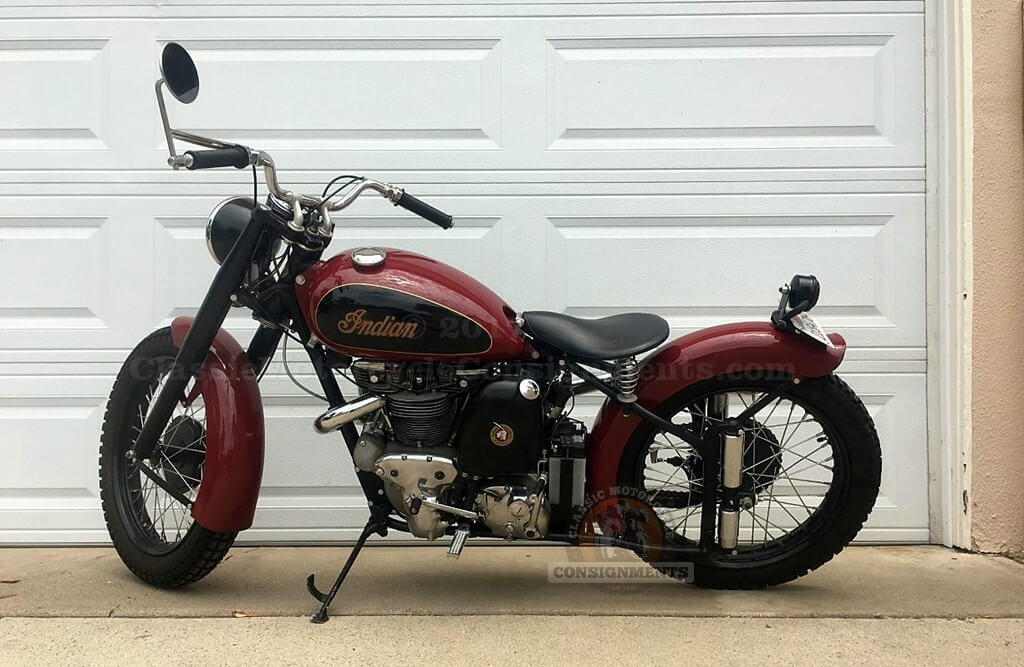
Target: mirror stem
[[167, 125]]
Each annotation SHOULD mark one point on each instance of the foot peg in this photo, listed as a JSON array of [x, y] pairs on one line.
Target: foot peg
[[458, 542]]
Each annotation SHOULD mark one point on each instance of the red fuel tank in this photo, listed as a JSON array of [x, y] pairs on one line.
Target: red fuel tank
[[395, 304]]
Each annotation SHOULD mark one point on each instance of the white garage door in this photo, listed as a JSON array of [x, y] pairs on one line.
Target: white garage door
[[599, 157]]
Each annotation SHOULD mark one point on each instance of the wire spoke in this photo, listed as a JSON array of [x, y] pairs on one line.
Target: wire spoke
[[797, 492], [765, 523], [768, 512], [157, 515], [812, 466], [778, 467]]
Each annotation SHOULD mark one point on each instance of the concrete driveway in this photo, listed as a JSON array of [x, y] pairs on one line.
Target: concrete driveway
[[871, 605]]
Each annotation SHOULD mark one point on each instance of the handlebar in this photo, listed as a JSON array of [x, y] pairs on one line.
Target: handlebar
[[220, 154], [424, 210], [395, 195], [229, 156]]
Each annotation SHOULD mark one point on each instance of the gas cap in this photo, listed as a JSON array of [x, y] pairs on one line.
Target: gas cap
[[368, 256], [529, 389]]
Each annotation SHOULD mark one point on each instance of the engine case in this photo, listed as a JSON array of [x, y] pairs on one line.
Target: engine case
[[409, 473], [516, 509], [501, 430]]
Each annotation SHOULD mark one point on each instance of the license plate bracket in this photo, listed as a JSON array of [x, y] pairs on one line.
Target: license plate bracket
[[807, 326]]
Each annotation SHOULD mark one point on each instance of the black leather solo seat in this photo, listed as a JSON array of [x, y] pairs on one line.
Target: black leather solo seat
[[606, 338]]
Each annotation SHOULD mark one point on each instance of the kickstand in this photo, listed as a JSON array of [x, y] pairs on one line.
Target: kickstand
[[374, 525]]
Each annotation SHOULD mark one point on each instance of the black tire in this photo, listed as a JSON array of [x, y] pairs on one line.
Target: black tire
[[850, 496], [144, 549]]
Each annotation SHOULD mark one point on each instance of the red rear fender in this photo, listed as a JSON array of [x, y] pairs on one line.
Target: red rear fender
[[234, 434], [728, 349]]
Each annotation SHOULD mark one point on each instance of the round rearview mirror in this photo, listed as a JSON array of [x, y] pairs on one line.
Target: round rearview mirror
[[179, 73]]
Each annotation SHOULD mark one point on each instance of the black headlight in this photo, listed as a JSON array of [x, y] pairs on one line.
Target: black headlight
[[226, 223]]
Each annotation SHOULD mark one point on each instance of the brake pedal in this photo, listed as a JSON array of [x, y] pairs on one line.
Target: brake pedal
[[458, 542]]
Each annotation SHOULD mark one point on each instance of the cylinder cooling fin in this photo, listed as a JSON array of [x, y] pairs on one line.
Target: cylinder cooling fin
[[425, 419]]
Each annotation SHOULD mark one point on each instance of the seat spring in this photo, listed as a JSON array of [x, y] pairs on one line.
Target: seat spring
[[626, 377]]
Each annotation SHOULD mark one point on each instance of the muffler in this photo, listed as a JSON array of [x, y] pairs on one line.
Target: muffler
[[339, 415]]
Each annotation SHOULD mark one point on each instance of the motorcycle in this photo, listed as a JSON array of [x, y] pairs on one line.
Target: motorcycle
[[464, 417]]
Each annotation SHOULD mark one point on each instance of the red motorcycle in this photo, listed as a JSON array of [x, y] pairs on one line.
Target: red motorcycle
[[740, 451]]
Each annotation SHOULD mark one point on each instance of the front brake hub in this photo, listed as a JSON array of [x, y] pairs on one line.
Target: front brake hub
[[182, 452]]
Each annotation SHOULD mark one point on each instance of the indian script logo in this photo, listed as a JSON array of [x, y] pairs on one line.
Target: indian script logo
[[356, 322]]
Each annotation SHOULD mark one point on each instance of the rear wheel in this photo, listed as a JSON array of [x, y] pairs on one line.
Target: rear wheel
[[153, 532], [811, 472]]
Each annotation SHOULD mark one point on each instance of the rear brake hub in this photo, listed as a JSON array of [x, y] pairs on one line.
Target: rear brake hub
[[762, 461]]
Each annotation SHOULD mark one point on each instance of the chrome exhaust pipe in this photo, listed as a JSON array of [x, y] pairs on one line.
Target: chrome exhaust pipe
[[339, 415]]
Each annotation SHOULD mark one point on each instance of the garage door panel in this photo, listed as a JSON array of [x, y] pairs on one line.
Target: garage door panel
[[633, 93], [741, 91], [299, 460], [701, 261], [897, 404], [50, 430], [66, 260], [39, 299], [439, 94], [75, 94], [41, 117], [182, 266]]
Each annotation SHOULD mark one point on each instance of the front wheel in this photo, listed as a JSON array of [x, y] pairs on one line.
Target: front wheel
[[154, 533], [811, 470]]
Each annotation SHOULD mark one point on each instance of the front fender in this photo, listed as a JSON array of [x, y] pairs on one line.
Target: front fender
[[234, 434], [728, 349]]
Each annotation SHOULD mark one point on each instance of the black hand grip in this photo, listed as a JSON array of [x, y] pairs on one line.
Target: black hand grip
[[425, 210], [231, 156]]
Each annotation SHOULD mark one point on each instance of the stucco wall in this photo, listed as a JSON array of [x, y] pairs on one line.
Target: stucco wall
[[998, 377]]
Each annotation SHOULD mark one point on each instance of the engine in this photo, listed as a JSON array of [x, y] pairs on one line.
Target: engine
[[420, 397], [484, 470]]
